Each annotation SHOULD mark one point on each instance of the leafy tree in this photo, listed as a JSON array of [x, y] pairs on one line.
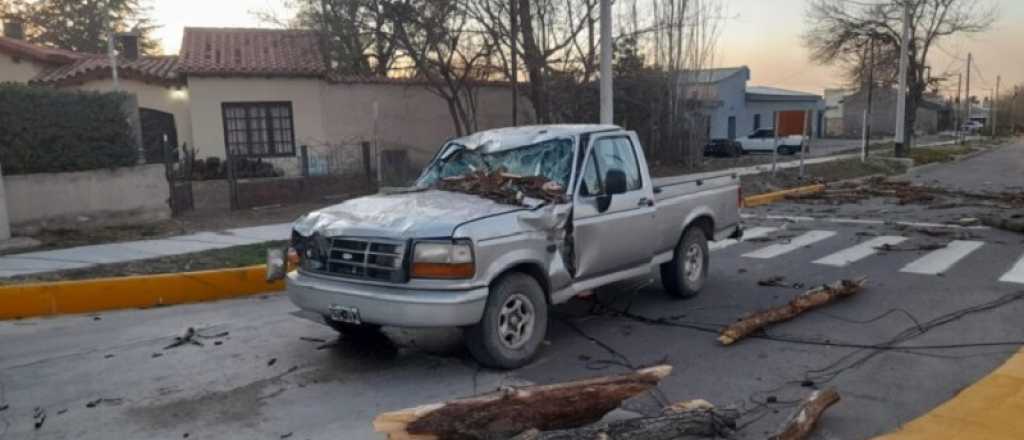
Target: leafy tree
[[81, 25]]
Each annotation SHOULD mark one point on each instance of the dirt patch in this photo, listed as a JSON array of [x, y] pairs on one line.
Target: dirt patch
[[816, 173], [237, 256]]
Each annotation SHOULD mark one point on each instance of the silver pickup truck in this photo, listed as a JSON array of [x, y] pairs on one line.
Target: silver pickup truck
[[425, 257]]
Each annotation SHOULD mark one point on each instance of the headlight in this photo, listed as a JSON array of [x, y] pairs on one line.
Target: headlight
[[442, 259]]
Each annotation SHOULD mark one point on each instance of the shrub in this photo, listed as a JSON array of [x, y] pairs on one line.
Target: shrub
[[44, 130]]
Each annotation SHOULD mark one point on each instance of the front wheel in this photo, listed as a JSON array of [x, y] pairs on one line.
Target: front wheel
[[514, 323], [684, 276]]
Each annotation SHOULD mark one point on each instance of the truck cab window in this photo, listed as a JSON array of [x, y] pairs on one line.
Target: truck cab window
[[610, 153]]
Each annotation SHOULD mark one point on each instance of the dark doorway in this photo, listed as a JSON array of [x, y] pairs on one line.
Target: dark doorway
[[732, 127], [157, 131]]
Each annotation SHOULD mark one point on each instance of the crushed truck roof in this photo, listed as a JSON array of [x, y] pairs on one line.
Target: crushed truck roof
[[511, 137]]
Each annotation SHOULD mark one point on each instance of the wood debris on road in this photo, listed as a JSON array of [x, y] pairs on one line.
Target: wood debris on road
[[808, 300], [510, 411], [696, 423], [801, 423]]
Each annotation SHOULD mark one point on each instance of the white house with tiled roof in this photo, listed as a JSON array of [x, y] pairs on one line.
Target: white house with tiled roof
[[261, 92]]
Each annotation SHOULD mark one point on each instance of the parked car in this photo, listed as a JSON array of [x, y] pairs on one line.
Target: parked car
[[972, 126], [723, 148], [763, 140], [425, 257]]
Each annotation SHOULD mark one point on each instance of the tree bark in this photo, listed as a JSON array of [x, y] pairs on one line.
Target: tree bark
[[699, 423], [802, 422], [811, 299], [510, 411]]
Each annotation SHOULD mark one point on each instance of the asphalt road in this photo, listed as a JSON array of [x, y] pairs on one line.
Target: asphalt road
[[109, 376]]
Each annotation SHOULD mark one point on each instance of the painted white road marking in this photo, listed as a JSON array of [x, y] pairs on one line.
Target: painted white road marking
[[798, 242], [1015, 275], [859, 251], [757, 232], [940, 260]]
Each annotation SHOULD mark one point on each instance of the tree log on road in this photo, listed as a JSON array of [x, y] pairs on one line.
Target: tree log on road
[[803, 420], [700, 423], [811, 299], [510, 411]]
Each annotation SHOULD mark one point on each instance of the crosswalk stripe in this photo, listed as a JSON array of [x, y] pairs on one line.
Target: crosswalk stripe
[[805, 239], [1015, 275], [860, 251], [940, 260], [757, 232]]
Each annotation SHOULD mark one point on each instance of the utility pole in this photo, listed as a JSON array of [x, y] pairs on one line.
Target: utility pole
[[112, 53], [607, 109], [513, 27], [995, 109], [957, 105], [871, 92], [967, 95], [901, 98]]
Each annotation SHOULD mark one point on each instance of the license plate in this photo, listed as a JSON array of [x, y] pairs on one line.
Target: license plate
[[348, 315]]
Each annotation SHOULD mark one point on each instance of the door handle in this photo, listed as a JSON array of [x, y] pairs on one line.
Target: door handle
[[645, 202]]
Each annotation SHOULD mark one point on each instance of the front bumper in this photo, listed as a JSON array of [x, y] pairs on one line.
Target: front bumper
[[388, 305]]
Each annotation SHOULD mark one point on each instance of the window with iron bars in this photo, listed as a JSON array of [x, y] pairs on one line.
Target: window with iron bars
[[259, 129]]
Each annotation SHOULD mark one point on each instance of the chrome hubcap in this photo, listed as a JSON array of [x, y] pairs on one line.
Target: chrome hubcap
[[515, 321], [693, 263]]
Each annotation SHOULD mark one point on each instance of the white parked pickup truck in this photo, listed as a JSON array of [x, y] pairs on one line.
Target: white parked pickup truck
[[439, 256], [763, 140]]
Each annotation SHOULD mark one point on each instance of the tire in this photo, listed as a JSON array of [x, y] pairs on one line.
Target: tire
[[788, 150], [684, 276], [514, 297]]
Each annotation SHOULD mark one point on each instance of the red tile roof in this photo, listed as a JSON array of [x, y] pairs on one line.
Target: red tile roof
[[43, 54], [256, 52], [162, 69]]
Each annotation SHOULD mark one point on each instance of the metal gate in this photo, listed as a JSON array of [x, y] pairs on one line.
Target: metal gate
[[160, 145]]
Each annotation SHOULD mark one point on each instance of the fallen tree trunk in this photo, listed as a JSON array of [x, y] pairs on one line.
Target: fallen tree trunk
[[811, 299], [510, 411], [802, 422], [691, 424]]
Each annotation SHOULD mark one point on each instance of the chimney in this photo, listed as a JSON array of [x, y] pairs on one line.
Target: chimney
[[128, 45], [14, 28]]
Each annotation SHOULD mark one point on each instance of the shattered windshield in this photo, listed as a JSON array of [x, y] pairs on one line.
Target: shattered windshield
[[551, 159]]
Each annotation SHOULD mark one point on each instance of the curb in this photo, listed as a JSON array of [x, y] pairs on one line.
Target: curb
[[63, 297], [772, 197], [991, 408]]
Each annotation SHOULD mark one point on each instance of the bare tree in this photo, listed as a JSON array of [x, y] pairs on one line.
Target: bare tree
[[448, 50], [840, 32]]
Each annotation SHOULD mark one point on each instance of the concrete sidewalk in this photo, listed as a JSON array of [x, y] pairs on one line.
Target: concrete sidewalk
[[85, 256]]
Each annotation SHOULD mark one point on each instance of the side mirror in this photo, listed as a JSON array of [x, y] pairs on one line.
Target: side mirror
[[614, 183]]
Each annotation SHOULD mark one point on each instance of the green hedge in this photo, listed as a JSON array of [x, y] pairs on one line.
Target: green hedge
[[44, 130]]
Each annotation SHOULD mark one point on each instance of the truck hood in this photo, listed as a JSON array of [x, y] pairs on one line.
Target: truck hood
[[413, 214]]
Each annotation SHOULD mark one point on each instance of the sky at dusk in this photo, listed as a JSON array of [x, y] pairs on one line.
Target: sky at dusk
[[762, 34]]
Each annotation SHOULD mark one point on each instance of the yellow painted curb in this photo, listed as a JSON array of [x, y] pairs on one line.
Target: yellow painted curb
[[54, 298], [772, 197], [992, 408]]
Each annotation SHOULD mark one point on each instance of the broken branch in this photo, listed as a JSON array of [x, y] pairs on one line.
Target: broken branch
[[811, 299], [702, 422], [802, 422], [510, 411]]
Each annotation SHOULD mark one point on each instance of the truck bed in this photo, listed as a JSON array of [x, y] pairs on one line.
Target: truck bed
[[679, 199]]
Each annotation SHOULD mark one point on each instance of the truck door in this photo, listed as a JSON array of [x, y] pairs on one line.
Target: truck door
[[621, 236]]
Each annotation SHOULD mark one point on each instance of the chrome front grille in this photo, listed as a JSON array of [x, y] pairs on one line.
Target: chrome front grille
[[375, 259]]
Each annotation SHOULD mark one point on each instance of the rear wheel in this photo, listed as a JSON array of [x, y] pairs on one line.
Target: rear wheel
[[514, 323], [684, 276]]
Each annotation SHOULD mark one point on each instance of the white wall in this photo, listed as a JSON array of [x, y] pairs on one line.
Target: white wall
[[97, 197], [17, 70]]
